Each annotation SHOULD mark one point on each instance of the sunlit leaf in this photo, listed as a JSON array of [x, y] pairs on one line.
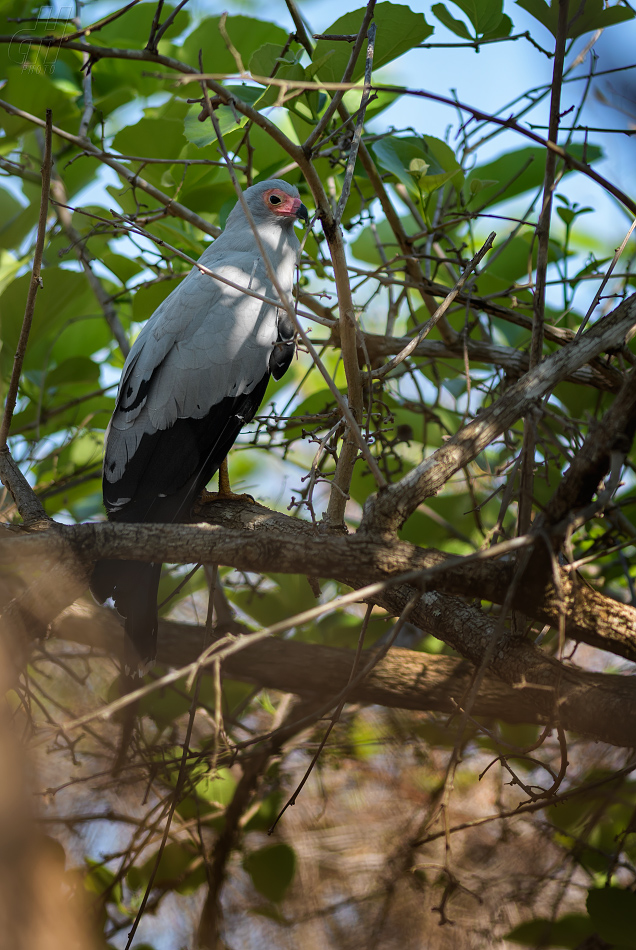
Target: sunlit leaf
[[399, 29]]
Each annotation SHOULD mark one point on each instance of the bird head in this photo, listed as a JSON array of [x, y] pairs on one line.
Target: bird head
[[276, 200]]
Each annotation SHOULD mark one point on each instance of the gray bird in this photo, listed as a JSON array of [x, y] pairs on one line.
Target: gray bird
[[195, 375]]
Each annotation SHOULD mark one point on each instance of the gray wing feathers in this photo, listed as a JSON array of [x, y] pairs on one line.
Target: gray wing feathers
[[205, 341]]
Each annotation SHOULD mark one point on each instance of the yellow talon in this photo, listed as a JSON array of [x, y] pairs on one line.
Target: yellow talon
[[224, 493]]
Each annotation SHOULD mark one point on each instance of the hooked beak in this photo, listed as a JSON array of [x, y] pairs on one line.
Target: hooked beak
[[300, 211]]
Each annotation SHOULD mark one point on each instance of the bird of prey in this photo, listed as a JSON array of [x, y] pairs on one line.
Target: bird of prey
[[196, 374]]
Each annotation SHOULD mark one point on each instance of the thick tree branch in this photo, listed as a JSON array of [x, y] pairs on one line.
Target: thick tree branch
[[253, 538], [538, 689], [26, 501], [577, 700]]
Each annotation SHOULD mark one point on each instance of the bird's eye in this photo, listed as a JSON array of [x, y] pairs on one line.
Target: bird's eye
[[274, 200]]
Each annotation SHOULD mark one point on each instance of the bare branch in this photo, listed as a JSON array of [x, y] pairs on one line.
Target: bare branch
[[252, 538], [325, 118], [439, 313], [396, 503], [402, 679], [35, 284], [355, 144], [178, 210]]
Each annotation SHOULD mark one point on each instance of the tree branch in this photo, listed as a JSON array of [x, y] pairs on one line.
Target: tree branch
[[253, 538], [34, 285], [178, 210], [403, 679], [526, 477], [389, 510]]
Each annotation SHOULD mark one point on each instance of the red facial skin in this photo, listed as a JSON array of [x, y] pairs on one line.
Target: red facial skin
[[287, 207]]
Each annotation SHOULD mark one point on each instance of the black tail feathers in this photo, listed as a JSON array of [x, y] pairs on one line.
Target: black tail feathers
[[133, 586]]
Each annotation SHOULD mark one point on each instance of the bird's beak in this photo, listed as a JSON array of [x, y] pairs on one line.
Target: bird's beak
[[300, 211]]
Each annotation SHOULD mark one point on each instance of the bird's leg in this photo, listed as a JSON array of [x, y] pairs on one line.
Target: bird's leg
[[224, 479], [224, 493]]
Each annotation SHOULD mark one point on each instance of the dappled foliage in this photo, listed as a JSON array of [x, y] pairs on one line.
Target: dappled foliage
[[453, 440]]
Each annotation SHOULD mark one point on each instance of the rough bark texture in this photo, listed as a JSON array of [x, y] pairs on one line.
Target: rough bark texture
[[525, 685], [253, 538]]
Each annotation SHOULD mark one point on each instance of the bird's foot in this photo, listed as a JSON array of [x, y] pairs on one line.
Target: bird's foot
[[208, 496]]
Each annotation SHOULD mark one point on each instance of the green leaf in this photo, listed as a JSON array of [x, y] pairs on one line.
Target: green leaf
[[273, 93], [613, 913], [165, 705], [365, 246], [9, 266], [218, 788], [73, 370], [29, 89], [64, 295], [132, 29], [173, 866], [503, 28], [147, 299], [291, 595], [568, 215], [378, 102], [247, 34], [16, 220], [399, 30], [568, 932], [267, 812], [458, 27], [272, 870], [422, 165], [99, 879], [122, 267], [367, 737], [582, 17], [151, 138], [485, 15], [264, 60], [514, 173], [202, 134], [85, 335]]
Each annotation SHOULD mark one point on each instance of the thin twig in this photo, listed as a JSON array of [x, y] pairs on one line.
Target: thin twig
[[168, 22], [34, 286], [336, 716], [291, 311], [543, 235], [302, 35], [151, 44], [441, 310], [355, 145], [325, 119], [135, 181], [608, 274], [173, 804]]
